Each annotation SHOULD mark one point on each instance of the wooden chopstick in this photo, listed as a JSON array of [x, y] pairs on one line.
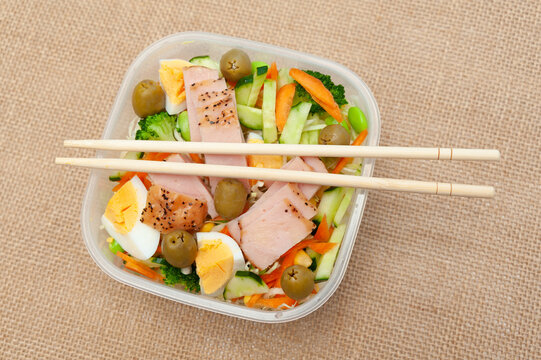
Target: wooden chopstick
[[306, 177], [289, 149]]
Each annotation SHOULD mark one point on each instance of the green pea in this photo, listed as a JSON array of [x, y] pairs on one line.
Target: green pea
[[183, 125], [330, 120], [115, 247], [357, 119]]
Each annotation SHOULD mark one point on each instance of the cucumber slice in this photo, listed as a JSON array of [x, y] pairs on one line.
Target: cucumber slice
[[250, 117], [284, 78], [344, 205], [328, 206], [243, 88], [259, 70], [305, 138], [295, 123], [183, 125], [244, 283], [116, 177], [314, 137], [270, 133], [326, 263], [315, 258], [206, 61]]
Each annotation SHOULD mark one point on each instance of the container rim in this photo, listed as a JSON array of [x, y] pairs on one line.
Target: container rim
[[201, 301]]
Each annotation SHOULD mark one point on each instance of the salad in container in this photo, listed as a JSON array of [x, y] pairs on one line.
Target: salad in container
[[261, 250]]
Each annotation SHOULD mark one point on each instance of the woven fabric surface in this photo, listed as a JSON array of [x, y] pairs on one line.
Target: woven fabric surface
[[429, 277]]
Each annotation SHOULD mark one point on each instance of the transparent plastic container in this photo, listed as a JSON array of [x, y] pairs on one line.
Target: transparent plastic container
[[185, 46]]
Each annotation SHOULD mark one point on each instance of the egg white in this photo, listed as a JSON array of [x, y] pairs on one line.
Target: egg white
[[238, 257], [142, 240], [173, 109]]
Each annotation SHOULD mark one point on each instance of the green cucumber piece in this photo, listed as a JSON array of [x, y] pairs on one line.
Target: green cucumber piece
[[206, 61], [295, 123], [250, 117], [314, 137], [315, 258], [243, 89], [305, 138], [244, 283], [270, 133], [344, 205], [326, 263], [328, 206], [283, 77], [183, 125], [259, 70], [116, 177]]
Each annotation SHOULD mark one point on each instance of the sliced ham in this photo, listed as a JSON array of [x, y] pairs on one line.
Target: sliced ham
[[260, 209], [265, 240], [185, 184], [167, 211], [193, 75], [212, 108]]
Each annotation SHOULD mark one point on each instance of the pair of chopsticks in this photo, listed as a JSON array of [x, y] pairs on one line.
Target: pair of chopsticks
[[307, 177]]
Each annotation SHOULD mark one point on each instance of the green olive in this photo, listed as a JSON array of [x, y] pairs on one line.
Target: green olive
[[147, 98], [235, 64], [179, 248], [334, 134], [230, 198], [297, 282]]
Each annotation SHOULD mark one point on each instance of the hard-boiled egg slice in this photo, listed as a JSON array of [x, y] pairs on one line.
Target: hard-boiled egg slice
[[218, 259], [172, 80], [173, 109], [122, 220]]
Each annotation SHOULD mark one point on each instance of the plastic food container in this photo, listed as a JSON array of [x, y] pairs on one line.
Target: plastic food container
[[185, 46]]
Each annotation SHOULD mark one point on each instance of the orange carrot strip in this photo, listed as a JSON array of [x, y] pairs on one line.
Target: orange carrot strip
[[318, 91], [323, 233], [273, 276], [225, 231], [284, 100], [196, 158], [275, 302], [273, 72], [253, 300], [142, 269], [344, 161], [322, 248], [217, 218], [161, 156]]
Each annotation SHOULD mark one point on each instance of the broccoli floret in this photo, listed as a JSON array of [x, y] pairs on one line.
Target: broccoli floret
[[157, 127], [174, 275], [337, 92]]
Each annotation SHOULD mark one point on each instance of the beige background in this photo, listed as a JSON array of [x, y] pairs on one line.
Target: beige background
[[429, 277]]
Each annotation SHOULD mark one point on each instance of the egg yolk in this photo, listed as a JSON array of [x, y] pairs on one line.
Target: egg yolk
[[172, 79], [122, 209], [264, 161], [214, 263]]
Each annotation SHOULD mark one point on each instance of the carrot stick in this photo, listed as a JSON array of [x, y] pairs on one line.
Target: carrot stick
[[284, 100], [273, 72], [128, 176], [253, 300], [318, 91], [273, 276], [225, 231], [344, 161], [323, 233], [275, 302], [196, 159], [322, 248], [142, 269]]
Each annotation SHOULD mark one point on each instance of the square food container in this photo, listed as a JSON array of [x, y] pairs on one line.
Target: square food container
[[185, 46]]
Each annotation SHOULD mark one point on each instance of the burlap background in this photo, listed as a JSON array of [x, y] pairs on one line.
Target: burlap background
[[429, 277]]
